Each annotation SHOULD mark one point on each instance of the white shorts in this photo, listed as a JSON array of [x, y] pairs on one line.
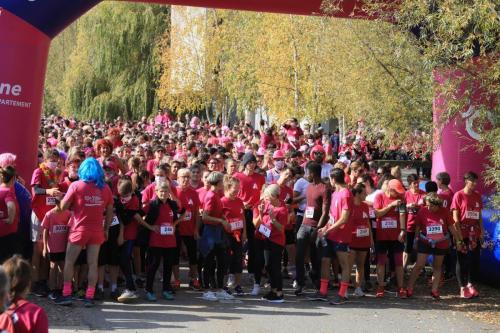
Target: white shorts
[[36, 229]]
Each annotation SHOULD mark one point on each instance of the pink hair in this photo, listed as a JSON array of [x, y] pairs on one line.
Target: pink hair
[[7, 159]]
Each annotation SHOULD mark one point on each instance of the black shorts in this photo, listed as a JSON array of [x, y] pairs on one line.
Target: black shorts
[[57, 257], [410, 238], [290, 237], [382, 247], [235, 256], [191, 247], [424, 247], [331, 248], [109, 253]]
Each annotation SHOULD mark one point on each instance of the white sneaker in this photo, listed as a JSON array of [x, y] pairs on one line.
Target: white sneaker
[[294, 285], [127, 295], [230, 281], [209, 296], [359, 292], [256, 290], [223, 295]]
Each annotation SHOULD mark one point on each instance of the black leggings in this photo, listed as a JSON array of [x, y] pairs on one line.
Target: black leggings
[[250, 240], [269, 254], [126, 263], [9, 246], [468, 265], [214, 259], [155, 255]]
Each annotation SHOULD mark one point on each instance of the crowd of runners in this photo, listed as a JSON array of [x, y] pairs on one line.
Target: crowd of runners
[[111, 202]]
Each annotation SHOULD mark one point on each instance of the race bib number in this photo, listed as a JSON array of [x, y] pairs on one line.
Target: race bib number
[[166, 230], [389, 224], [371, 213], [470, 214], [115, 221], [50, 201], [362, 232], [60, 229], [310, 212], [236, 225], [265, 231], [291, 138], [188, 215], [434, 230]]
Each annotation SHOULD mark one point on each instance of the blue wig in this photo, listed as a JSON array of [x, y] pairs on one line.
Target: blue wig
[[90, 171]]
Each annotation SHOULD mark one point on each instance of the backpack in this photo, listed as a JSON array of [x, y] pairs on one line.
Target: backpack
[[8, 319]]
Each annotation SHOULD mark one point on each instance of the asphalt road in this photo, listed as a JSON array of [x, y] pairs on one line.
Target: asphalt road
[[190, 313]]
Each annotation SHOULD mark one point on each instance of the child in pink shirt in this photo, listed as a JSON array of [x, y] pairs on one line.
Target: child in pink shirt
[[55, 238]]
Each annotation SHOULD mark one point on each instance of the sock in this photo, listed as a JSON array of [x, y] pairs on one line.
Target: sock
[[90, 292], [100, 286], [343, 288], [113, 287], [323, 289], [67, 289]]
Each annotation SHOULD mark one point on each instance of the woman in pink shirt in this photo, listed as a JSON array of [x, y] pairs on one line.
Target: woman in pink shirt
[[90, 199]]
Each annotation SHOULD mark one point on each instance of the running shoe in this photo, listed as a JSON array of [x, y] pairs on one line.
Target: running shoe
[[151, 297], [168, 295], [338, 300], [473, 290], [299, 290], [318, 297], [230, 281], [176, 284], [223, 295], [88, 302], [79, 295], [402, 293], [127, 296], [409, 292], [272, 297], [52, 295], [380, 292], [64, 300], [195, 284], [465, 293], [256, 290], [209, 296], [435, 295], [238, 291], [99, 294], [358, 292]]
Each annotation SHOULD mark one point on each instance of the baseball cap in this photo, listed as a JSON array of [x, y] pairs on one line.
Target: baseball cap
[[396, 185]]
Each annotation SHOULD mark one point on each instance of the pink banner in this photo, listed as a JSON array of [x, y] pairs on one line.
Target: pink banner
[[23, 60], [457, 152]]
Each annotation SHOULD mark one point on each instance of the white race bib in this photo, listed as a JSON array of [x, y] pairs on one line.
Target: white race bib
[[50, 201], [291, 138], [362, 232], [265, 230], [434, 229], [166, 229], [470, 214], [115, 221], [310, 212], [236, 224], [188, 215], [389, 223], [60, 229]]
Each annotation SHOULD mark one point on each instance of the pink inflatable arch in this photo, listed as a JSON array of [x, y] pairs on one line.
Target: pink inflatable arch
[[28, 26]]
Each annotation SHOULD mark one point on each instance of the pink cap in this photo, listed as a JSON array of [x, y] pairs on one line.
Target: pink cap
[[278, 154], [396, 185], [261, 151]]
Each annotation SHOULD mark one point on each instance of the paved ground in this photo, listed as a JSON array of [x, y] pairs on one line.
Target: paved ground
[[249, 314]]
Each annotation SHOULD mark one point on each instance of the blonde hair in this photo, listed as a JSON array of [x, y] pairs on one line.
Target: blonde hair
[[272, 190], [230, 182]]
